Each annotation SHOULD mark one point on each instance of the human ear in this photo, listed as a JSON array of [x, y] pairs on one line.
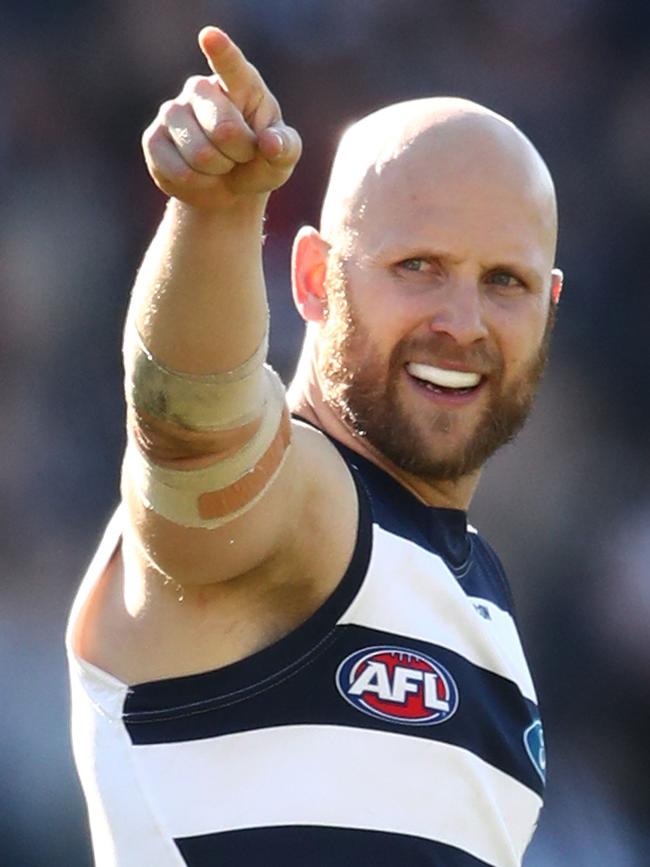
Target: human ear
[[308, 272], [557, 279]]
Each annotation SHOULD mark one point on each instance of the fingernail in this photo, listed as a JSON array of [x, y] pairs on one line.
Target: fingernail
[[277, 138]]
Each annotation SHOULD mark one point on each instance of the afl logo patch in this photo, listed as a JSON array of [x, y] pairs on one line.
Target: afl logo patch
[[398, 684]]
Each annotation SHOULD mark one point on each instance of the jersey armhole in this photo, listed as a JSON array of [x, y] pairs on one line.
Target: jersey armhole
[[195, 693]]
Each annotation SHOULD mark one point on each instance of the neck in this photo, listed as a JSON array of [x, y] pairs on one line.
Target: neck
[[306, 399]]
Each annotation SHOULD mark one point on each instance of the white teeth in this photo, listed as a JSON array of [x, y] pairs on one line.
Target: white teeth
[[443, 378]]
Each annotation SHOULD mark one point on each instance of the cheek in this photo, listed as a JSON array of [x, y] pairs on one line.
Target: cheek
[[383, 308], [519, 335], [379, 331]]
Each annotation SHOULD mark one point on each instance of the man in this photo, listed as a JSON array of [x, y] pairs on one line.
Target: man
[[290, 648]]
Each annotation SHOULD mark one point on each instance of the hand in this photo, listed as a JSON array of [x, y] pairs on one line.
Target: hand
[[223, 137]]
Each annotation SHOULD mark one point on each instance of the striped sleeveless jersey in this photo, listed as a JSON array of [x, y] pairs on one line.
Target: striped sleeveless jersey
[[397, 726]]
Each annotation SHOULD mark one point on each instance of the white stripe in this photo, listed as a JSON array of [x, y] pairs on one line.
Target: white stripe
[[340, 777], [411, 591], [503, 630], [123, 829]]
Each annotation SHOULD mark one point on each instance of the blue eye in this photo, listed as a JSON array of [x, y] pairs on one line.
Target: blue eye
[[414, 264], [505, 280], [502, 278]]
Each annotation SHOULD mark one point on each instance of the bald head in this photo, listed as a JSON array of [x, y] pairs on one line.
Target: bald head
[[405, 149]]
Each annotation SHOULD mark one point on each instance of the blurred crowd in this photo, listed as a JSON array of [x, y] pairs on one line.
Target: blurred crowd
[[567, 507]]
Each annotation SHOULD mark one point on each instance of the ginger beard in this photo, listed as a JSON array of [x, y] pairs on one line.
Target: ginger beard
[[363, 389]]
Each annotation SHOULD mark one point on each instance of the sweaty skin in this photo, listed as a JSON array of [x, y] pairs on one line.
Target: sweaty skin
[[461, 194]]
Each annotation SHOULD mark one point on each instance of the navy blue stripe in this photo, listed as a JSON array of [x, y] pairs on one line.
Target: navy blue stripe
[[312, 846], [440, 531], [490, 721], [486, 563]]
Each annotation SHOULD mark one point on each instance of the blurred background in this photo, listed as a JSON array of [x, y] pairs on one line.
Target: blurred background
[[567, 507]]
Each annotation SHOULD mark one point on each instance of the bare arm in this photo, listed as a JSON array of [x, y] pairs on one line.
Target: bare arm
[[199, 309], [217, 151]]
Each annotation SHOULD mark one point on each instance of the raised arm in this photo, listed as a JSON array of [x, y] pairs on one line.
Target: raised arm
[[217, 150], [208, 481]]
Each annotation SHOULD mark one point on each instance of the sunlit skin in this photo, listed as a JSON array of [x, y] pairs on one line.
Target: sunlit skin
[[437, 249]]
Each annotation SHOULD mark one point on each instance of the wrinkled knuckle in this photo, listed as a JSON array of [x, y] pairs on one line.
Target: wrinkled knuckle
[[202, 155], [193, 83], [205, 86], [147, 137], [157, 174], [152, 139], [160, 176], [183, 175], [167, 111], [225, 129], [259, 93], [255, 82]]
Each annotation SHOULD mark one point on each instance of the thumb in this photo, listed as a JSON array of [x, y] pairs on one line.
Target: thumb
[[280, 145]]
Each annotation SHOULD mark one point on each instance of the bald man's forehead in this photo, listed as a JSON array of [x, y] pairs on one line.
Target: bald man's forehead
[[466, 159], [432, 149], [471, 173]]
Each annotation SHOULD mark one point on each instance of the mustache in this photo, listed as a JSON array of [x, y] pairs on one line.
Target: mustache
[[481, 358]]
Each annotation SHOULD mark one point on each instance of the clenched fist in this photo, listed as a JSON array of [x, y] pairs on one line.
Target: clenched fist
[[223, 137]]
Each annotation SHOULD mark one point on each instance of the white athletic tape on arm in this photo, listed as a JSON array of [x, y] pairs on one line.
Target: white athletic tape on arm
[[215, 494], [212, 402]]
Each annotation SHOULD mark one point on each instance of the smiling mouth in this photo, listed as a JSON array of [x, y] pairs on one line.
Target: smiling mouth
[[443, 381]]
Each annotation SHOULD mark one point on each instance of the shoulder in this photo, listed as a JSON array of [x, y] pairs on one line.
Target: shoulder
[[243, 614]]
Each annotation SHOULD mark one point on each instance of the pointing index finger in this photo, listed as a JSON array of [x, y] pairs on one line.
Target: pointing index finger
[[227, 60]]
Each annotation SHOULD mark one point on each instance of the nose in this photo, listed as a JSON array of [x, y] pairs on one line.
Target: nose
[[459, 313]]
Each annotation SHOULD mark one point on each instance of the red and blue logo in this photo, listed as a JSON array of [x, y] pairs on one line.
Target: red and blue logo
[[398, 684]]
